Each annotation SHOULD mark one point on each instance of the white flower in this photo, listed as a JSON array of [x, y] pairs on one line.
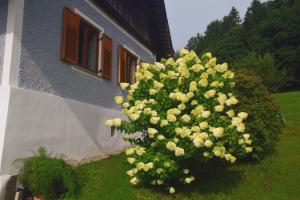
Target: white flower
[[152, 91], [190, 95], [243, 115], [209, 94], [179, 151], [188, 180], [230, 158], [148, 166], [130, 160], [152, 131], [117, 122], [119, 99], [154, 120], [186, 118], [126, 137], [241, 127], [230, 113], [140, 151], [125, 105], [148, 75], [140, 165], [203, 125], [205, 114], [183, 52], [176, 140], [197, 67], [203, 82], [246, 136], [181, 106], [160, 137], [130, 151], [236, 121], [174, 111], [248, 149], [153, 113], [133, 117], [208, 55], [171, 146], [130, 173], [193, 86], [194, 102], [208, 143], [195, 128], [147, 111], [109, 122], [124, 86], [164, 123], [158, 85], [218, 132], [172, 190], [222, 68], [186, 171], [160, 182], [205, 154], [198, 142], [134, 180], [219, 108], [171, 118]]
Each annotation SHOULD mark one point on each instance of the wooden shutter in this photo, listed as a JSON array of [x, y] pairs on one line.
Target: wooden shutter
[[70, 36], [122, 65], [106, 66]]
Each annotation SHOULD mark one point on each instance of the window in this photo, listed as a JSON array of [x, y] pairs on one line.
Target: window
[[127, 66], [80, 45], [88, 46]]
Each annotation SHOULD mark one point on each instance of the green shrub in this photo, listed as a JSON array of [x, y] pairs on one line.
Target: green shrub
[[273, 77], [265, 120], [48, 177], [183, 110]]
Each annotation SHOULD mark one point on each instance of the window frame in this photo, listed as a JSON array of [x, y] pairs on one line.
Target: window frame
[[100, 30], [133, 53]]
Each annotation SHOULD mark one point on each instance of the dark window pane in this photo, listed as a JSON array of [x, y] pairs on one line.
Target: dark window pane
[[87, 47], [92, 45]]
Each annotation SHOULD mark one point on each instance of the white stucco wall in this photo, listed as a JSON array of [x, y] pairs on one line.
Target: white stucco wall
[[62, 125]]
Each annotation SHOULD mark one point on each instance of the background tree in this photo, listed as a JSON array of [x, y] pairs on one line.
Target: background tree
[[269, 27]]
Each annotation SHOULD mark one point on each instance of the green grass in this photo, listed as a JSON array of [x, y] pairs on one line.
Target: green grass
[[277, 177]]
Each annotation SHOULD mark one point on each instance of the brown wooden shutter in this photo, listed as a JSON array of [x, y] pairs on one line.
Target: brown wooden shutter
[[122, 78], [106, 66], [70, 36]]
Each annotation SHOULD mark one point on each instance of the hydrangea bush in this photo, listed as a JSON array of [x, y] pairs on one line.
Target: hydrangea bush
[[180, 111]]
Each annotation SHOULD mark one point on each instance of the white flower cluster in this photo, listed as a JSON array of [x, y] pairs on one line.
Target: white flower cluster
[[188, 108]]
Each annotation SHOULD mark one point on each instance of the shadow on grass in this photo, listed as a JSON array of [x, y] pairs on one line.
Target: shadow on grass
[[213, 177]]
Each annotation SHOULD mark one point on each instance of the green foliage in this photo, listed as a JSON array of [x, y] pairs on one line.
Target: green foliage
[[268, 27], [265, 121], [265, 66], [48, 177]]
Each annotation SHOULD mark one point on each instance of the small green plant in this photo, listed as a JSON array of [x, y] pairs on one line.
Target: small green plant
[[48, 177], [265, 121]]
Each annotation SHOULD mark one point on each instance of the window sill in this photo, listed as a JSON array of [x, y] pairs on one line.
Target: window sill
[[86, 72]]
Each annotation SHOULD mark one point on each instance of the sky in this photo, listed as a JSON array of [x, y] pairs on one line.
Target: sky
[[189, 17]]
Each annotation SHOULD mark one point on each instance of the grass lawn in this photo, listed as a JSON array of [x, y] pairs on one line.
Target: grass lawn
[[276, 177]]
